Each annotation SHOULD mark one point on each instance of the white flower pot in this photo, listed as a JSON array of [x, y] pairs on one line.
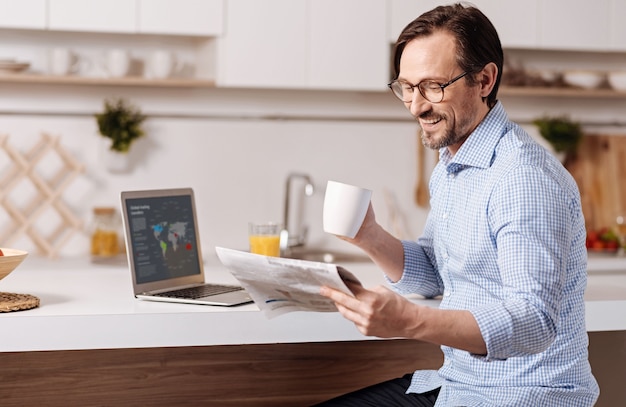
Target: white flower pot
[[116, 162]]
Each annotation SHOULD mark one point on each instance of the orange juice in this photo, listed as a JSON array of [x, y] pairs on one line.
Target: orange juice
[[268, 245]]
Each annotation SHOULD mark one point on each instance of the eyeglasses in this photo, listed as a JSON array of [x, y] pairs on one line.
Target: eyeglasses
[[430, 90]]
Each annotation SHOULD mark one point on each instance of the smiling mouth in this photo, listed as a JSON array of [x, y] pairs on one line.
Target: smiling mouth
[[431, 122]]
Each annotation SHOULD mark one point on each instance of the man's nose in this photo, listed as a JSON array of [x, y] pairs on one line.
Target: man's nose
[[418, 104]]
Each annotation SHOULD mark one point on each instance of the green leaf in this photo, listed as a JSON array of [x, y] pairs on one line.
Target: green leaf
[[563, 134], [121, 122]]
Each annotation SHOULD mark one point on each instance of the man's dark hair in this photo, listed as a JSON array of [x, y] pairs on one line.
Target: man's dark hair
[[477, 40]]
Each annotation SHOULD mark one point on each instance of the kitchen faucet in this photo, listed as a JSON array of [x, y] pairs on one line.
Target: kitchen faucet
[[295, 235]]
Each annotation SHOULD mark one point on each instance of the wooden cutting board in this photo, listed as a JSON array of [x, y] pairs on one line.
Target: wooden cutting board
[[600, 172]]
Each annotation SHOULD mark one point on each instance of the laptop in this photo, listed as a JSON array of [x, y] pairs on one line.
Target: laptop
[[164, 252]]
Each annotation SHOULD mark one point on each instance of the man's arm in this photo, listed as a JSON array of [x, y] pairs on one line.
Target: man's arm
[[383, 313], [384, 249]]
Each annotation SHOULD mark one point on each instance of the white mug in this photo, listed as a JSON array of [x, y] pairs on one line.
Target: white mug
[[161, 64], [117, 63], [345, 207], [63, 61]]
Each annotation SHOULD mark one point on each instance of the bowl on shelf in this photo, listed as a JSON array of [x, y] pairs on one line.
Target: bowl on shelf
[[583, 79], [617, 80], [10, 259]]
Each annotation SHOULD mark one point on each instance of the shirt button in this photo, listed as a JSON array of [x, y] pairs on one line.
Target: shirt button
[[446, 293], [444, 216], [451, 175]]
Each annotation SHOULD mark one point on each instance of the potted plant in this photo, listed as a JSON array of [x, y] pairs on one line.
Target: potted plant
[[563, 134], [121, 123]]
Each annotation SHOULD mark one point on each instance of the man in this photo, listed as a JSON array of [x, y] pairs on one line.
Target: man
[[504, 242]]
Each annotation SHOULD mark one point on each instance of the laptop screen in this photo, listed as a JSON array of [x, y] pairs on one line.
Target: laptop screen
[[162, 237]]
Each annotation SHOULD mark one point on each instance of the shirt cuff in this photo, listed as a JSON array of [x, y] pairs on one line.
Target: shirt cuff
[[496, 327]]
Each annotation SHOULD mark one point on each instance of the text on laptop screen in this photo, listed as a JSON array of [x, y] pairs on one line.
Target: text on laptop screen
[[163, 237]]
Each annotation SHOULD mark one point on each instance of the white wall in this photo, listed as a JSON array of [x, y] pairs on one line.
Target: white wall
[[237, 167]]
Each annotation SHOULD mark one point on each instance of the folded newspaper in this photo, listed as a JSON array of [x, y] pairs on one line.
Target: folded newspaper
[[279, 285]]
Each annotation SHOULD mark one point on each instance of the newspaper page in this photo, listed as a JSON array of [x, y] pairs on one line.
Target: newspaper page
[[279, 285]]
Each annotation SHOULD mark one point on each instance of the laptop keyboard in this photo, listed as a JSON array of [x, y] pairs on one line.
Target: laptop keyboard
[[199, 291]]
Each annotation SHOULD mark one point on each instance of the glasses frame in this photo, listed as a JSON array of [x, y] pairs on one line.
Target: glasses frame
[[442, 86]]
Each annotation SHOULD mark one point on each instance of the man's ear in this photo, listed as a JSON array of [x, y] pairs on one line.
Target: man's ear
[[487, 79]]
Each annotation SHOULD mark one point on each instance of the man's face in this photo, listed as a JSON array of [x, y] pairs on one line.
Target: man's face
[[450, 122]]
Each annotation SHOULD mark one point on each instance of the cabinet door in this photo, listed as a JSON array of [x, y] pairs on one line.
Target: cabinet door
[[28, 14], [181, 17], [575, 24], [95, 15], [617, 40], [402, 12], [348, 46], [516, 21], [264, 44]]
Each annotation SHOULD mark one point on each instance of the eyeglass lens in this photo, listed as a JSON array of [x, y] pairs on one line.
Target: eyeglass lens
[[430, 90]]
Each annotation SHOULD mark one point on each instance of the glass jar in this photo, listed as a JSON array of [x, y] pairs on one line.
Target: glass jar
[[105, 232]]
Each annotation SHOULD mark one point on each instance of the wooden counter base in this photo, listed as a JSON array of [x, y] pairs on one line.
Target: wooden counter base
[[234, 375]]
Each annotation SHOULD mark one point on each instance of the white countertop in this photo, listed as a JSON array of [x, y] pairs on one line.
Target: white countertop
[[91, 306]]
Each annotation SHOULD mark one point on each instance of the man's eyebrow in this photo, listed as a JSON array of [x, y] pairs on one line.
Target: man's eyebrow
[[401, 79]]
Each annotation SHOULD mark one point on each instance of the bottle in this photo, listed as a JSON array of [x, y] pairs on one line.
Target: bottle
[[105, 237]]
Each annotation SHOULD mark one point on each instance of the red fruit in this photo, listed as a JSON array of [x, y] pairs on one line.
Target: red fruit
[[1, 254], [598, 245], [592, 236], [612, 245]]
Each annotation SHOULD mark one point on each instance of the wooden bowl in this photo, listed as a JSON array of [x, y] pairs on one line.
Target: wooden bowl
[[11, 259]]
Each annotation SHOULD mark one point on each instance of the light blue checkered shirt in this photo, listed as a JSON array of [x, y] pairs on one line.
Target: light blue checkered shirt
[[505, 239]]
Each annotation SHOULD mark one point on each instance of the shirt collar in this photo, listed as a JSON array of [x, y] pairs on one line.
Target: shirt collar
[[478, 149]]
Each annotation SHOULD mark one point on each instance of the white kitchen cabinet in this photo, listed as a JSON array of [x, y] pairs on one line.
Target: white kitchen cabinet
[[26, 14], [402, 12], [575, 24], [347, 45], [517, 22], [617, 39], [164, 17], [319, 44], [114, 16], [180, 17], [264, 44]]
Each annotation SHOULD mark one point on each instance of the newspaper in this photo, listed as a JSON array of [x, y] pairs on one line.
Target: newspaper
[[279, 285]]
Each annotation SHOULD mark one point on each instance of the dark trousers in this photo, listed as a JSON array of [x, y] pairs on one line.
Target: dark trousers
[[391, 393]]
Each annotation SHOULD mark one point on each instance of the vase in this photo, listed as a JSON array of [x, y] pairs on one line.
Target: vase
[[116, 162]]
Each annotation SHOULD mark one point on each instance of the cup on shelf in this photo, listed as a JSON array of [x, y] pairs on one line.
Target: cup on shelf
[[64, 61], [116, 63], [161, 64]]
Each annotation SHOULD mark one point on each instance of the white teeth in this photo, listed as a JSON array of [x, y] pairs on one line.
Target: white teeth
[[431, 121]]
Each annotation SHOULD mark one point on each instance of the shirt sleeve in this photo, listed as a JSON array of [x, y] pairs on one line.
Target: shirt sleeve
[[419, 275], [533, 218]]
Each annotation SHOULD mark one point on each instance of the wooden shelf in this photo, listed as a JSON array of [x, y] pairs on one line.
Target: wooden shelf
[[126, 81], [560, 92], [27, 78]]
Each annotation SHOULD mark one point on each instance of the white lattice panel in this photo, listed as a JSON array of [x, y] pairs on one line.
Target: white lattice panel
[[45, 202]]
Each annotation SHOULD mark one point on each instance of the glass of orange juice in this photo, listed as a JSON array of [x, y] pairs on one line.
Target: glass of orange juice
[[264, 238]]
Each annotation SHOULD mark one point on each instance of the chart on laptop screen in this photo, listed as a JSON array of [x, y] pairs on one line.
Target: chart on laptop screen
[[163, 239]]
